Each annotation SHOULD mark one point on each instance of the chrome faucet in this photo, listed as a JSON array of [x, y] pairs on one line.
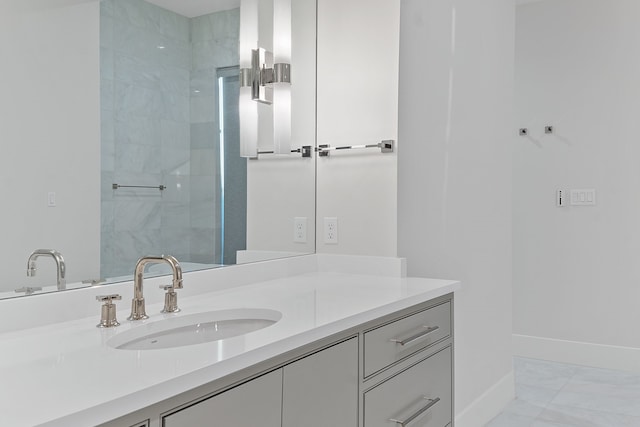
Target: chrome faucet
[[60, 266], [137, 304]]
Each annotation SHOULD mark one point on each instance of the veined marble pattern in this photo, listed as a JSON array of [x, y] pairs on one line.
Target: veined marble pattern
[[561, 395], [216, 26], [159, 108], [204, 135]]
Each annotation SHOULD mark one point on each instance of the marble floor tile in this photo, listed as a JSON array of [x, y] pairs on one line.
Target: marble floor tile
[[586, 417], [607, 376], [553, 394], [540, 373], [607, 382], [598, 402], [538, 396], [525, 408], [507, 419], [542, 423]]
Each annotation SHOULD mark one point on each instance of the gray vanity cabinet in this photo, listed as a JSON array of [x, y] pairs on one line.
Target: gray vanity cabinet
[[319, 390], [390, 343], [254, 403], [396, 370], [322, 389], [419, 396]]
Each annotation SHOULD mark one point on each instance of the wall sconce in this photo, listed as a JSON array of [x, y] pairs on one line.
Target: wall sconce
[[265, 77], [282, 76], [247, 108]]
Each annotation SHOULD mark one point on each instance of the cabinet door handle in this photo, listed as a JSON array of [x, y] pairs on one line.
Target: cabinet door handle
[[421, 411], [417, 336]]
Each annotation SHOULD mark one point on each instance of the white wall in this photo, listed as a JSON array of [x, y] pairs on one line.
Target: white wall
[[357, 104], [50, 130], [454, 180], [576, 269], [281, 188]]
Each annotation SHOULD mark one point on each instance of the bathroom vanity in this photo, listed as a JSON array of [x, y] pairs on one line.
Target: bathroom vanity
[[395, 367], [348, 350]]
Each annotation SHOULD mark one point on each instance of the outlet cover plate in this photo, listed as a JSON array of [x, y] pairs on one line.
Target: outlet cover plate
[[300, 229], [331, 230]]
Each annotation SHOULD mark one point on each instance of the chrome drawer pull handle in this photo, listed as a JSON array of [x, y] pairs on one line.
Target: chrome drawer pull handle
[[417, 336], [428, 406]]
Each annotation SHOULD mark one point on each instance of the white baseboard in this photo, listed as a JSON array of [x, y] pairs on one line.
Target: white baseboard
[[577, 353], [489, 404]]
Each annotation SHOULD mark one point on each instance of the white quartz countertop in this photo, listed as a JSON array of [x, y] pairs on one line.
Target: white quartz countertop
[[65, 374]]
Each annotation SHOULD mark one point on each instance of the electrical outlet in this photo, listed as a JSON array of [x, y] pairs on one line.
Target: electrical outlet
[[300, 229], [331, 230]]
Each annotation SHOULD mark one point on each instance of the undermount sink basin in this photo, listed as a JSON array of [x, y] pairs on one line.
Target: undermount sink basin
[[183, 330]]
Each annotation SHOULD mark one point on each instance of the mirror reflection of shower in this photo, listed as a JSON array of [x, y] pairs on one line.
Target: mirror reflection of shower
[[169, 118], [233, 168]]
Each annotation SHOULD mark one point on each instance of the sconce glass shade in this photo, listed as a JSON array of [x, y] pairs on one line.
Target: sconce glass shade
[[282, 31], [282, 118], [248, 109], [282, 90], [248, 31]]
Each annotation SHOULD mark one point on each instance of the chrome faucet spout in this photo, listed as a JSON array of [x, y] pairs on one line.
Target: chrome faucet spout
[[61, 268], [138, 311]]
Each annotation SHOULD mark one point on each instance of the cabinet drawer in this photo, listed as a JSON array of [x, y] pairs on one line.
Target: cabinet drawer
[[390, 343], [417, 397]]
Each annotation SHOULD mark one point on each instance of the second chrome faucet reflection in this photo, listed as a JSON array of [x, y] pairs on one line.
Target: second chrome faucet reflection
[[171, 298], [60, 265]]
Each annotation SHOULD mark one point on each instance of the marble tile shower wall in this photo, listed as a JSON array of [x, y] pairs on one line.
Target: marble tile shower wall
[[155, 130], [214, 39]]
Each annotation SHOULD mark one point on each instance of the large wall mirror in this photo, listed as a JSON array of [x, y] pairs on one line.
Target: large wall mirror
[[121, 133]]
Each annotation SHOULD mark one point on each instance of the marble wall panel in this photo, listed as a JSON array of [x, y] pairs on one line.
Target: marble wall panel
[[203, 83], [160, 127], [135, 157], [176, 215], [204, 244], [146, 16], [204, 214], [135, 215], [139, 130], [204, 136], [216, 26], [175, 135]]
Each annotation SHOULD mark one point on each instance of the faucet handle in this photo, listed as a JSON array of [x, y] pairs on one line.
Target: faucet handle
[[108, 313], [170, 299], [108, 298]]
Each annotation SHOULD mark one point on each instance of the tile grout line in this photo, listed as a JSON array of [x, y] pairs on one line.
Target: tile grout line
[[538, 418]]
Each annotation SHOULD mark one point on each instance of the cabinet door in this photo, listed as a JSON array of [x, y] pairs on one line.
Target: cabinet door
[[255, 403], [322, 389]]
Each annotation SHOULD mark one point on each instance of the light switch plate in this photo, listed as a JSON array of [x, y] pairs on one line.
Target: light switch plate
[[561, 198], [584, 197]]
